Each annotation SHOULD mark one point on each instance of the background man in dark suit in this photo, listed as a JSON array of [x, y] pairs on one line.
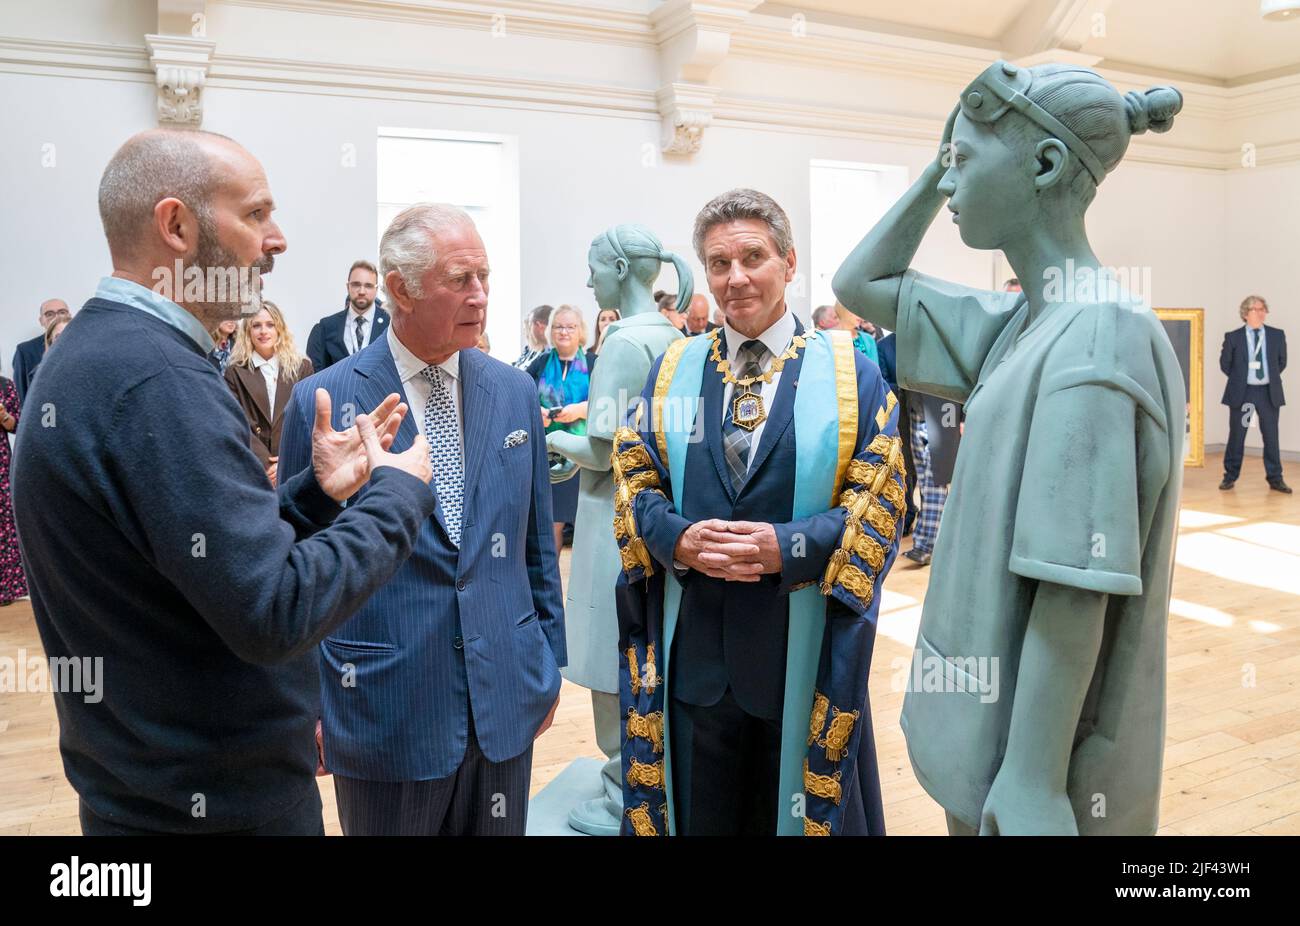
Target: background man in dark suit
[[202, 591], [360, 323], [433, 694], [28, 354], [697, 316], [1253, 358]]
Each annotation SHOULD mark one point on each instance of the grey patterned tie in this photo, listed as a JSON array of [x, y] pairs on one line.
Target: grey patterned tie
[[361, 334], [735, 439], [442, 431]]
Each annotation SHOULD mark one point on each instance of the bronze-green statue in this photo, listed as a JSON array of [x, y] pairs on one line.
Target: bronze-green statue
[[624, 263], [1036, 696]]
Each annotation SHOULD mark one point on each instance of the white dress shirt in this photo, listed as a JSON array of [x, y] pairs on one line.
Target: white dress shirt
[[417, 388], [350, 327], [270, 370], [777, 340]]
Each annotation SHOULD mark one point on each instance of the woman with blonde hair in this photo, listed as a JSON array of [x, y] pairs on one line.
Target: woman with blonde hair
[[563, 379], [264, 365]]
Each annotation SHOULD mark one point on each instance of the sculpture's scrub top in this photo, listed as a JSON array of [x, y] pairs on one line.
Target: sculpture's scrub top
[[1069, 472]]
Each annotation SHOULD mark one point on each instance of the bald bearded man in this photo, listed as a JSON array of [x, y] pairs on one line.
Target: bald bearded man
[[154, 543]]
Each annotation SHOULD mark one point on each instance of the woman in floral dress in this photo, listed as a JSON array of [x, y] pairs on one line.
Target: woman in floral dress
[[13, 584]]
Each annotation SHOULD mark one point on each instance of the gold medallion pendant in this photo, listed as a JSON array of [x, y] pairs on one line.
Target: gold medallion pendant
[[747, 410]]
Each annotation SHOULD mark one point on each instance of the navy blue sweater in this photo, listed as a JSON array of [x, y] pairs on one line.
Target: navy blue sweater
[[152, 538]]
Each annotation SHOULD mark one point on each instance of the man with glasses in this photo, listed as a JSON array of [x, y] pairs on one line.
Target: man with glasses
[[357, 326], [1253, 358], [29, 353]]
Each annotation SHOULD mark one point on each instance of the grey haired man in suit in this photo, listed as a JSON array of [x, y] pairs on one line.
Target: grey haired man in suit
[[1253, 358]]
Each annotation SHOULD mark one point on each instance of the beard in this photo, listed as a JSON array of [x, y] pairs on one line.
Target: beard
[[244, 298], [361, 303]]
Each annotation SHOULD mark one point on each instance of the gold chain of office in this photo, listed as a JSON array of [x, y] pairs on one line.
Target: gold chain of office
[[747, 408], [724, 365]]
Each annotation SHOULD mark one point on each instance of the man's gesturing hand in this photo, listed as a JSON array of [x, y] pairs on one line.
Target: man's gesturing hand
[[711, 548], [343, 460]]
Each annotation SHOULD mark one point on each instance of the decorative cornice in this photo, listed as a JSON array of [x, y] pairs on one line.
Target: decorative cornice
[[79, 59], [452, 88], [686, 111], [694, 37], [733, 110], [181, 66], [585, 22]]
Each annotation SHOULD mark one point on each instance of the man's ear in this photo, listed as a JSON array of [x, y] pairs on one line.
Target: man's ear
[[176, 226], [398, 294], [791, 262], [1052, 157]]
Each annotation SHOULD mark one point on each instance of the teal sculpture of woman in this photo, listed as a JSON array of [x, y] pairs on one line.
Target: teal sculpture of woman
[[624, 263], [1035, 700]]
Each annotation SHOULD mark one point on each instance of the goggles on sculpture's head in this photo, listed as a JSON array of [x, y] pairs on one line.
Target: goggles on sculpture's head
[[1003, 86]]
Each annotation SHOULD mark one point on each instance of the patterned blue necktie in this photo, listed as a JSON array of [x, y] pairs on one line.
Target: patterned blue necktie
[[442, 431], [736, 440]]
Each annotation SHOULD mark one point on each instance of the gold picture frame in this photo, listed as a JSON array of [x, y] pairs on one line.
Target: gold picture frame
[[1186, 330]]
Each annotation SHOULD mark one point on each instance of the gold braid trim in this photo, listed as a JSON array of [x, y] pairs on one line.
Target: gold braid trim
[[861, 472], [650, 675], [639, 482], [649, 775], [632, 549], [636, 456], [813, 828], [642, 824], [649, 727], [824, 786], [667, 367], [881, 521], [633, 670], [838, 736], [857, 583], [893, 494], [821, 707], [883, 413], [871, 553]]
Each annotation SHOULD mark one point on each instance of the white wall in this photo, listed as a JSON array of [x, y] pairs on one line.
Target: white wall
[[587, 142]]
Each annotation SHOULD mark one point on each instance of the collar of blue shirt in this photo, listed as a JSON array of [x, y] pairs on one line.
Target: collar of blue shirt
[[116, 289]]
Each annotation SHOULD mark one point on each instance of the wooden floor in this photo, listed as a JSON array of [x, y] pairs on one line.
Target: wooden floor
[[1232, 759]]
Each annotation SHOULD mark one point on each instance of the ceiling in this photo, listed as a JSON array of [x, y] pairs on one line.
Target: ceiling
[[1222, 42]]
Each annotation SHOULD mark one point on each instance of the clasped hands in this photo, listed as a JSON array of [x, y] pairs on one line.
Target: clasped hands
[[737, 551]]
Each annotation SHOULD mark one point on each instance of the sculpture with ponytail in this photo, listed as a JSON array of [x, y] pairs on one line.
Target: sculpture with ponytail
[[644, 254]]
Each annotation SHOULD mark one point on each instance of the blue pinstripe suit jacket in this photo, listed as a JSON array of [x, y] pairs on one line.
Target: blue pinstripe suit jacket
[[478, 628]]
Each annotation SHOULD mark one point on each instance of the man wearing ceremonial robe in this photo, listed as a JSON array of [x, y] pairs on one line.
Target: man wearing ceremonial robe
[[759, 493]]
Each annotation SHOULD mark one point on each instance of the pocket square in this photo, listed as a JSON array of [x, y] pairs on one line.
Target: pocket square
[[515, 438]]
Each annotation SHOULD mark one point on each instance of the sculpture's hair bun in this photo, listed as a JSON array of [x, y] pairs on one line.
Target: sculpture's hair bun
[[1152, 110]]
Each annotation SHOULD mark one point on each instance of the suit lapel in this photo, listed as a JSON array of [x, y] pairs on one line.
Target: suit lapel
[[476, 403], [255, 385], [782, 414], [711, 396], [782, 409]]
